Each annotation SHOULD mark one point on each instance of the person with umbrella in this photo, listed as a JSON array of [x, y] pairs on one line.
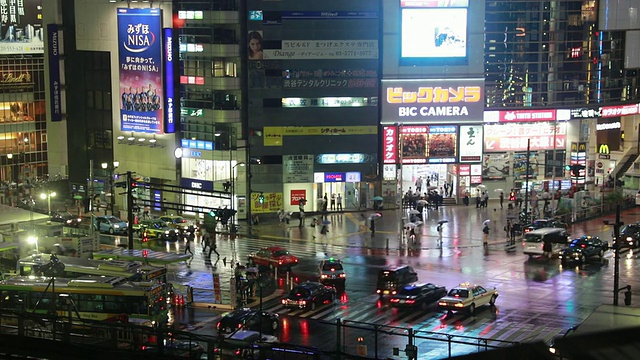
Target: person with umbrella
[[325, 227], [485, 230], [372, 225]]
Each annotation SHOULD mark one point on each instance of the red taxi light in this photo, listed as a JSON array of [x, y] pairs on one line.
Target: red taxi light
[[394, 300], [410, 301], [332, 269], [456, 295]]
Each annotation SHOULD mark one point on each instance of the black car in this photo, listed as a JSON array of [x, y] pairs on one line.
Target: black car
[[249, 319], [67, 218], [630, 235], [583, 248], [544, 223], [332, 273], [178, 349], [416, 295], [308, 295]]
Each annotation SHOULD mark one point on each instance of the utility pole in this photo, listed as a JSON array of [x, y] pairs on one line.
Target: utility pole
[[526, 186], [616, 256], [130, 209]]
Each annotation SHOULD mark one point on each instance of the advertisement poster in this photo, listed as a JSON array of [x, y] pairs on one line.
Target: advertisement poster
[[520, 165], [21, 27], [140, 61], [414, 145], [442, 141], [272, 203], [516, 137], [496, 166], [297, 168], [390, 144]]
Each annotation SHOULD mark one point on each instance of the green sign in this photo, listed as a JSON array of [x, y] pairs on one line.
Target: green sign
[[191, 112]]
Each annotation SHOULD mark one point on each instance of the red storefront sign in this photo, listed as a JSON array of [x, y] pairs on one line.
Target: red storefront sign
[[465, 169], [528, 115], [390, 144], [297, 195], [621, 110]]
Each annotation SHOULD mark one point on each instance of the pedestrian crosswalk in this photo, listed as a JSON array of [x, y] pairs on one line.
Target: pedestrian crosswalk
[[487, 323]]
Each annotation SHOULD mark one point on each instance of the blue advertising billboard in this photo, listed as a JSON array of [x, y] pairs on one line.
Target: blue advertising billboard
[[169, 75], [140, 61]]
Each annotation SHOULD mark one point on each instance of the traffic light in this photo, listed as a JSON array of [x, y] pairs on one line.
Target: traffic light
[[627, 296], [261, 199], [567, 168], [213, 213]]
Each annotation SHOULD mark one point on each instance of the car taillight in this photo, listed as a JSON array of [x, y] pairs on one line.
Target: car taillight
[[284, 301], [442, 303], [394, 300], [459, 305], [240, 326], [324, 276], [378, 291], [302, 302], [524, 244], [343, 275], [218, 325], [393, 292], [410, 301], [238, 352], [279, 262], [216, 350]]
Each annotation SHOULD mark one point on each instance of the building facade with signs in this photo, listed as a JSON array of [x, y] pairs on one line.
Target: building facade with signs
[[23, 126], [313, 73]]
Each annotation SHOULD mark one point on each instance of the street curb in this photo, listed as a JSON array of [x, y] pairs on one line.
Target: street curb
[[229, 307]]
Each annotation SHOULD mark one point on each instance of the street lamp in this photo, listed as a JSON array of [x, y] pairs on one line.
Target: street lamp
[[112, 170], [233, 190], [48, 196], [34, 240]]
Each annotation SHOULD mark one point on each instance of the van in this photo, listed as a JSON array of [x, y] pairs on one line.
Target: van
[[393, 278], [534, 241]]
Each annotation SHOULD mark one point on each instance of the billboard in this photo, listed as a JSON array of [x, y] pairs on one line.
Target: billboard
[[470, 144], [515, 137], [428, 144], [21, 29], [434, 30], [169, 74], [419, 101], [140, 62]]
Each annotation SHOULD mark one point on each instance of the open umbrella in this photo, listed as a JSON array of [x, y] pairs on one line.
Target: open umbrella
[[410, 225], [481, 186], [442, 222], [378, 198], [486, 222], [414, 212], [422, 202], [326, 222]]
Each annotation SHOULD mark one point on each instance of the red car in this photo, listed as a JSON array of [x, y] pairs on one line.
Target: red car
[[273, 257]]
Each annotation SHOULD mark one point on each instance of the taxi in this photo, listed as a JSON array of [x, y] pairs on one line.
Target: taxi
[[468, 297], [331, 272], [273, 257]]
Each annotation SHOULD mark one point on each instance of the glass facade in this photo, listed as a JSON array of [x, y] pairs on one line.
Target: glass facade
[[550, 53], [23, 134]]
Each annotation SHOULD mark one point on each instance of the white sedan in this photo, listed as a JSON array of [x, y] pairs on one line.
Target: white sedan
[[468, 297]]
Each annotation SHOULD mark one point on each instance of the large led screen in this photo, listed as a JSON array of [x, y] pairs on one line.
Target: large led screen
[[434, 33]]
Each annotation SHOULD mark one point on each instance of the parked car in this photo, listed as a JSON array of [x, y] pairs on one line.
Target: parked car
[[534, 241], [243, 344], [308, 295], [417, 295], [583, 248], [178, 349], [545, 223], [249, 319], [630, 235], [273, 257], [110, 224], [468, 297], [67, 218], [174, 221], [392, 278], [332, 273], [157, 229]]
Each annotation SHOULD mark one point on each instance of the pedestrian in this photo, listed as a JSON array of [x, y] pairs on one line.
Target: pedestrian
[[333, 202], [446, 188], [478, 198], [486, 199], [339, 202], [212, 245], [546, 249], [485, 238], [419, 184], [287, 217], [314, 222], [372, 226], [501, 199], [301, 204], [189, 238], [281, 215]]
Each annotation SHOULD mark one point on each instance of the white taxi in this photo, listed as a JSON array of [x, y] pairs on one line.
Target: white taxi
[[468, 297]]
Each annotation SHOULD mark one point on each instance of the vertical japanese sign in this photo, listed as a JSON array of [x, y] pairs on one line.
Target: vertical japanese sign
[[169, 84], [140, 61], [390, 144], [470, 144], [54, 72]]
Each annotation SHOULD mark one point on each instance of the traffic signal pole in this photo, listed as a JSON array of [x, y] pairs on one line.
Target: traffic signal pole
[[616, 257], [130, 209]]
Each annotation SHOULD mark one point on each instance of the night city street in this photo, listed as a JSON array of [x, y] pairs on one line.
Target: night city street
[[539, 299]]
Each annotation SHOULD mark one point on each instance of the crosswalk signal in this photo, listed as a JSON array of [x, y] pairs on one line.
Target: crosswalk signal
[[261, 199], [567, 168]]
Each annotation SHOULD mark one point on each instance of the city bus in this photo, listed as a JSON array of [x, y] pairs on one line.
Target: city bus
[[75, 267], [88, 297]]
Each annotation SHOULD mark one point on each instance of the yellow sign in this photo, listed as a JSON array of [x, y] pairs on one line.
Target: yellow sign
[[603, 149], [273, 134], [272, 203]]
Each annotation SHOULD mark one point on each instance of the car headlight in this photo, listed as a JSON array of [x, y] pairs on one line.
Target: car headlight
[[116, 226]]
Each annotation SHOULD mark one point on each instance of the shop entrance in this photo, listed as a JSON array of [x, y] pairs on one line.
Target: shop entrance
[[428, 177], [355, 196]]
